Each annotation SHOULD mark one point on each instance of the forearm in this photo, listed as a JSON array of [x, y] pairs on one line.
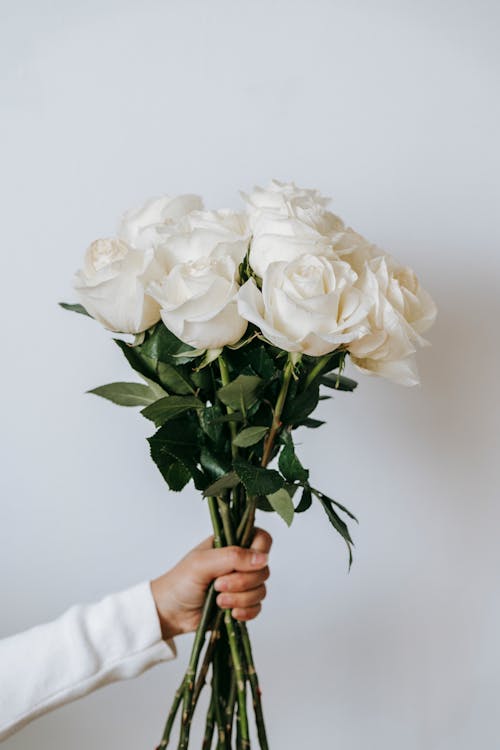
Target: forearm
[[88, 646]]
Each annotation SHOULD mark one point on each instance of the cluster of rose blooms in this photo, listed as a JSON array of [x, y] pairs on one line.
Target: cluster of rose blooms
[[313, 284]]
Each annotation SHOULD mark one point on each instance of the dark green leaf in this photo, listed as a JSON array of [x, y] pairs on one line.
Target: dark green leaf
[[202, 379], [297, 409], [240, 393], [305, 501], [258, 481], [260, 361], [339, 382], [227, 482], [236, 416], [338, 524], [143, 365], [322, 496], [77, 308], [264, 504], [175, 473], [173, 379], [282, 503], [249, 436], [312, 423], [175, 450], [214, 464], [167, 408], [210, 421], [162, 345], [289, 464], [126, 394]]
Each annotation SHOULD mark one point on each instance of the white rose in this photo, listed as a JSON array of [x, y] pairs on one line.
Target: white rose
[[352, 247], [111, 286], [276, 238], [203, 234], [309, 305], [198, 302], [141, 227], [401, 311], [287, 200]]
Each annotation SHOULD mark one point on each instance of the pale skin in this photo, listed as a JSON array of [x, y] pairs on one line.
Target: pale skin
[[239, 576]]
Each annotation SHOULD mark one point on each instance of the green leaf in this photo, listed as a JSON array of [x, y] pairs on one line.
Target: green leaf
[[263, 503], [249, 436], [210, 421], [77, 308], [176, 474], [240, 393], [126, 394], [260, 361], [143, 365], [215, 465], [227, 482], [258, 481], [289, 464], [167, 408], [312, 423], [172, 378], [322, 496], [297, 409], [338, 382], [162, 345], [156, 389], [175, 451], [202, 379], [338, 524], [282, 503], [305, 501], [236, 416]]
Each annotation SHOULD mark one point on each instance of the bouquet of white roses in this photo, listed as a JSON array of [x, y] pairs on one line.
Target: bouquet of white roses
[[239, 319]]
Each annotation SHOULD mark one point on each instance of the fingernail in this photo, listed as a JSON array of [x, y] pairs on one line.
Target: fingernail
[[223, 601], [220, 584], [259, 558]]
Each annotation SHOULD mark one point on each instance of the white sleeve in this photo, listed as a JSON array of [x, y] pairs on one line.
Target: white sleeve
[[86, 647]]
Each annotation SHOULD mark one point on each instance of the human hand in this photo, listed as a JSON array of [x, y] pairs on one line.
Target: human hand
[[239, 575]]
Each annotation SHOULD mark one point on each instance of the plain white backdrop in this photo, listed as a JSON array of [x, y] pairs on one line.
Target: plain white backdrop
[[391, 107]]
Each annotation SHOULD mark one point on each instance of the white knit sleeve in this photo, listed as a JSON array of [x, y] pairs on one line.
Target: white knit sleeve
[[86, 647]]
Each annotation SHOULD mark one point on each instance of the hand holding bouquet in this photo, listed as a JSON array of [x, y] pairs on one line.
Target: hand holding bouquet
[[239, 320]]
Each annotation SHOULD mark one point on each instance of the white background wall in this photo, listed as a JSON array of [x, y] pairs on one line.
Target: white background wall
[[393, 108]]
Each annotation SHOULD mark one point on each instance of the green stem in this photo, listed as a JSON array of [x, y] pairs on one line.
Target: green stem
[[255, 687], [189, 680], [226, 520], [215, 635], [209, 726], [239, 677], [171, 717], [219, 720], [229, 713], [245, 638], [224, 376], [318, 368], [233, 643], [278, 409]]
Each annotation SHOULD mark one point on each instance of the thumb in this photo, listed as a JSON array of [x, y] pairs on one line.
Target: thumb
[[212, 563]]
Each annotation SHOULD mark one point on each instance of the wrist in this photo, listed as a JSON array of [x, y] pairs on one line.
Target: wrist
[[166, 614]]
